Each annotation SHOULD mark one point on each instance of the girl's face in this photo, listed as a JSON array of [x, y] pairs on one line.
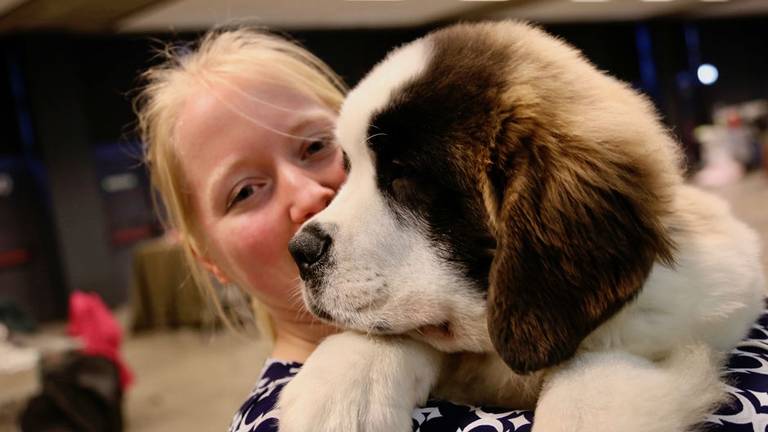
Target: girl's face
[[259, 160]]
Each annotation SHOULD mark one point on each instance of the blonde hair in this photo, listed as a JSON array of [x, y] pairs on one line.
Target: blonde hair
[[221, 56]]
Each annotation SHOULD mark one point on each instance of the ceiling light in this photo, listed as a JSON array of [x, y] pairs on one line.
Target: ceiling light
[[707, 74]]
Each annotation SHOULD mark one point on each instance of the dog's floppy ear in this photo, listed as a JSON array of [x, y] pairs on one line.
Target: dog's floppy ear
[[578, 230]]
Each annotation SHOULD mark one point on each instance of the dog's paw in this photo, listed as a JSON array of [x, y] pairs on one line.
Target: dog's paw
[[309, 405], [354, 383]]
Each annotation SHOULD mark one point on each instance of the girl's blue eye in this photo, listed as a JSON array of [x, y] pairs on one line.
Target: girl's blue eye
[[316, 146], [242, 194]]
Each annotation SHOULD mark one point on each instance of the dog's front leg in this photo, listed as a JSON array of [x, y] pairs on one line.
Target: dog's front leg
[[358, 383], [617, 391]]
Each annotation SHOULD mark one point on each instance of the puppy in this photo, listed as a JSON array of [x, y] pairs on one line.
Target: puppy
[[515, 231]]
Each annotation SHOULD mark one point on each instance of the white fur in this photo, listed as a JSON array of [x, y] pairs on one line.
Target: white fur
[[385, 378], [374, 93], [381, 275], [713, 294], [614, 391]]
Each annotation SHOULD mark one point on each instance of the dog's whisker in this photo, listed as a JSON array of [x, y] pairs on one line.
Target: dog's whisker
[[376, 135]]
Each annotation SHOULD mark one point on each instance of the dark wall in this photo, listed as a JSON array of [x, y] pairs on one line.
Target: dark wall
[[735, 47], [10, 141], [29, 265], [739, 50], [65, 99], [66, 117]]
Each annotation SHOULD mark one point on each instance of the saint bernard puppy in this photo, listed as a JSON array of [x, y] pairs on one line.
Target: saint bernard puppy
[[515, 231]]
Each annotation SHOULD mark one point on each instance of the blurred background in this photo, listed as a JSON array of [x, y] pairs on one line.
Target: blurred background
[[75, 206]]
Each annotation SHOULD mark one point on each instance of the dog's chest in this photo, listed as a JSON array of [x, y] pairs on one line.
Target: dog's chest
[[484, 379]]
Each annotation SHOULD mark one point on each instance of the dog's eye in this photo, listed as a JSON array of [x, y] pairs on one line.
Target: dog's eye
[[402, 179], [400, 185]]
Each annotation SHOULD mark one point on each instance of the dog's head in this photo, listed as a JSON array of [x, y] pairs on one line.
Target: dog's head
[[495, 177]]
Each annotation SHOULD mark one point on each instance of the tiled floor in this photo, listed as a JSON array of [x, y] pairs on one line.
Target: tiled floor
[[189, 381]]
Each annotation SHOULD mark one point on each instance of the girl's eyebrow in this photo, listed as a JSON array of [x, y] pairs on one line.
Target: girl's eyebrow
[[311, 118]]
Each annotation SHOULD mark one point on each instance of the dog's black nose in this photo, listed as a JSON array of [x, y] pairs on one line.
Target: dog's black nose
[[309, 246]]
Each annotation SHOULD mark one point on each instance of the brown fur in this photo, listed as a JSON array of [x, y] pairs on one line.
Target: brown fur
[[577, 217], [571, 251]]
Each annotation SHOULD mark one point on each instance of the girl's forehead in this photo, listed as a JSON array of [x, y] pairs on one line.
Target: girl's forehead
[[217, 117], [250, 98]]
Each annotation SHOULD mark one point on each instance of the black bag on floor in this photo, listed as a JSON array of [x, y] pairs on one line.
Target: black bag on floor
[[81, 393]]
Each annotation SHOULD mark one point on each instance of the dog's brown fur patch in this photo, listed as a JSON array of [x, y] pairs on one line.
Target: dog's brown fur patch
[[577, 219]]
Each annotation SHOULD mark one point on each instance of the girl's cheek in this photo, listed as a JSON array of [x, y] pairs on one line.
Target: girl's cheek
[[260, 242]]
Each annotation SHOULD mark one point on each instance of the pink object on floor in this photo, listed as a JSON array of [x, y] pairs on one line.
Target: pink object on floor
[[91, 321]]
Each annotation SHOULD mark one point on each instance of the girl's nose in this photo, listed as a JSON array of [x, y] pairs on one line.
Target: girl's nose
[[309, 197]]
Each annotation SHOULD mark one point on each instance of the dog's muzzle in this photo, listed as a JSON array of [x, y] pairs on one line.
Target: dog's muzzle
[[309, 248]]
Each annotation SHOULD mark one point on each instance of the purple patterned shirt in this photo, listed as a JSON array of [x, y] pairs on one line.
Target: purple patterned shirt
[[747, 412]]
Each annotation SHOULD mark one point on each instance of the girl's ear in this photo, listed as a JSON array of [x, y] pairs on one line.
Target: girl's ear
[[212, 268]]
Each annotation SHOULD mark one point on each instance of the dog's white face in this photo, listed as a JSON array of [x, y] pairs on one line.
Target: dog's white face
[[387, 270], [483, 202]]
